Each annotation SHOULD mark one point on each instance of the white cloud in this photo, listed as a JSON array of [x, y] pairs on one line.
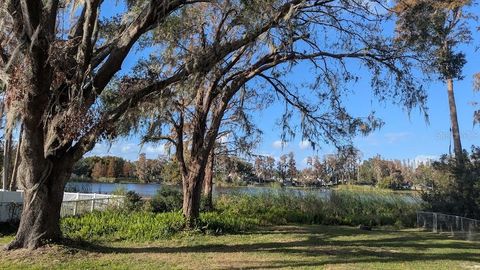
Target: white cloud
[[279, 144], [304, 145], [157, 149], [127, 148], [370, 140], [397, 136], [99, 149]]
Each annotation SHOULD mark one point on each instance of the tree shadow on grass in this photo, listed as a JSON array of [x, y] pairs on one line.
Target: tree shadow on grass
[[321, 248]]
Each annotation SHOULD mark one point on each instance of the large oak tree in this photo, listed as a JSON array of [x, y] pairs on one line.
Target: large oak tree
[[56, 59], [257, 45]]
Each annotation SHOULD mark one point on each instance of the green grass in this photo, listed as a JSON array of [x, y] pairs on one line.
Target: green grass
[[287, 247], [140, 226]]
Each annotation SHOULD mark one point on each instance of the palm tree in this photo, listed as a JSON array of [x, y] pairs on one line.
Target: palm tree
[[433, 28]]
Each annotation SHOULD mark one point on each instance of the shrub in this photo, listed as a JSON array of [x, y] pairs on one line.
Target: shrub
[[119, 190], [459, 191], [133, 201], [167, 199]]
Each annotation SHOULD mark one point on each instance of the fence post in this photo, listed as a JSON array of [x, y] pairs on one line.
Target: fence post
[[75, 204], [75, 208], [435, 222], [93, 203]]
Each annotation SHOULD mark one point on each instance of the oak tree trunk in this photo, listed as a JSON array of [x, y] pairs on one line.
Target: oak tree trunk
[[43, 180], [457, 145], [192, 192], [208, 182]]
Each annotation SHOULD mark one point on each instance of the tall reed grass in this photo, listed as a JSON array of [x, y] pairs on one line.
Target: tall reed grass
[[337, 208], [241, 212]]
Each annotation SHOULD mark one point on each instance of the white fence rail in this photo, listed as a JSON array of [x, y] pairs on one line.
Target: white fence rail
[[454, 225], [11, 203]]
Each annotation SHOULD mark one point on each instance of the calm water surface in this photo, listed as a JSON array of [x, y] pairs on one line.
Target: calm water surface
[[148, 190]]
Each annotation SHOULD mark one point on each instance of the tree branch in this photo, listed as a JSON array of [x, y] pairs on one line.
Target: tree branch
[[155, 12]]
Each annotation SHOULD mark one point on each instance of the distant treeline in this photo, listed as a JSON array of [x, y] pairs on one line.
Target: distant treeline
[[343, 167], [111, 169]]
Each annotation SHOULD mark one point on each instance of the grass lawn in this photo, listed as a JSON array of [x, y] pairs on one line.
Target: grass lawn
[[288, 247]]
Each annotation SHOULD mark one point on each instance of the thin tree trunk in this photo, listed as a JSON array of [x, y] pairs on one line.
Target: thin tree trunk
[[7, 156], [13, 181], [208, 184], [457, 145]]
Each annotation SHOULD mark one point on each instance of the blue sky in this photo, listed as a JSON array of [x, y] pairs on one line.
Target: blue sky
[[404, 135]]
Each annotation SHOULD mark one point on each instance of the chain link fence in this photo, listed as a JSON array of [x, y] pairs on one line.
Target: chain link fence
[[457, 226]]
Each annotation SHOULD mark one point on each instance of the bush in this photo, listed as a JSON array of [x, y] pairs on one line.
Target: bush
[[167, 199], [459, 193], [119, 190], [133, 201]]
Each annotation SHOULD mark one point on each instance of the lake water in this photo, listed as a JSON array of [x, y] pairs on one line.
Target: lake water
[[148, 190]]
